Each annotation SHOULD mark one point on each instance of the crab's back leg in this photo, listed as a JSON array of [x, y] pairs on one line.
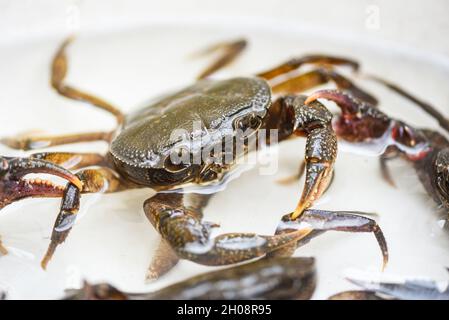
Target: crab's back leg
[[71, 160], [229, 51], [390, 153], [33, 142], [431, 110], [296, 63], [317, 77], [191, 238], [58, 74]]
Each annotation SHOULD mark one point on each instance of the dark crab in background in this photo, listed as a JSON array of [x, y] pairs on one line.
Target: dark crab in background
[[141, 156], [279, 278]]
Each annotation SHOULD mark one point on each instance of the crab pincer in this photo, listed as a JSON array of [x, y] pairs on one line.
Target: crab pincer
[[14, 186], [314, 122]]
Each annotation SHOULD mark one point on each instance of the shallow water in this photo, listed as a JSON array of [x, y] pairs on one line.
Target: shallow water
[[112, 240]]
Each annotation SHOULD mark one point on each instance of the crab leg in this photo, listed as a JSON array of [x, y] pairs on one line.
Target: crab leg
[[31, 142], [290, 116], [101, 180], [322, 221], [231, 50], [296, 63], [165, 258], [70, 160], [58, 74], [314, 78], [442, 120], [390, 153], [13, 187], [314, 122], [191, 238]]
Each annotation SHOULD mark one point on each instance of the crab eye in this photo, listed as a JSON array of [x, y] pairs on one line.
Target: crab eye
[[178, 160], [252, 122]]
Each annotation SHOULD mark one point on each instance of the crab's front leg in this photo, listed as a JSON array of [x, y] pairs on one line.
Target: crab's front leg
[[314, 122], [191, 238], [14, 186]]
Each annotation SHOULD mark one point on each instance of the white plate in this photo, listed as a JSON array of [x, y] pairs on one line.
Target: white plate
[[112, 240]]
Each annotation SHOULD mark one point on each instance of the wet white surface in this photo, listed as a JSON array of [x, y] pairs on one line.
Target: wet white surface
[[112, 240]]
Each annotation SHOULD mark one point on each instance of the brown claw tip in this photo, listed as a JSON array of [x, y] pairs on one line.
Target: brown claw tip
[[298, 211]]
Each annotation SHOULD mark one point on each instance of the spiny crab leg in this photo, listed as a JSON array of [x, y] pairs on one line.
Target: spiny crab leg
[[321, 221], [14, 187]]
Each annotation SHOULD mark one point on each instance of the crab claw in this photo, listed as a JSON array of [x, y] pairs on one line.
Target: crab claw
[[359, 121], [321, 152], [14, 187]]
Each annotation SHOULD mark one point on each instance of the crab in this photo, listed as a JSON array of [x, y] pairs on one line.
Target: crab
[[143, 154], [280, 278]]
